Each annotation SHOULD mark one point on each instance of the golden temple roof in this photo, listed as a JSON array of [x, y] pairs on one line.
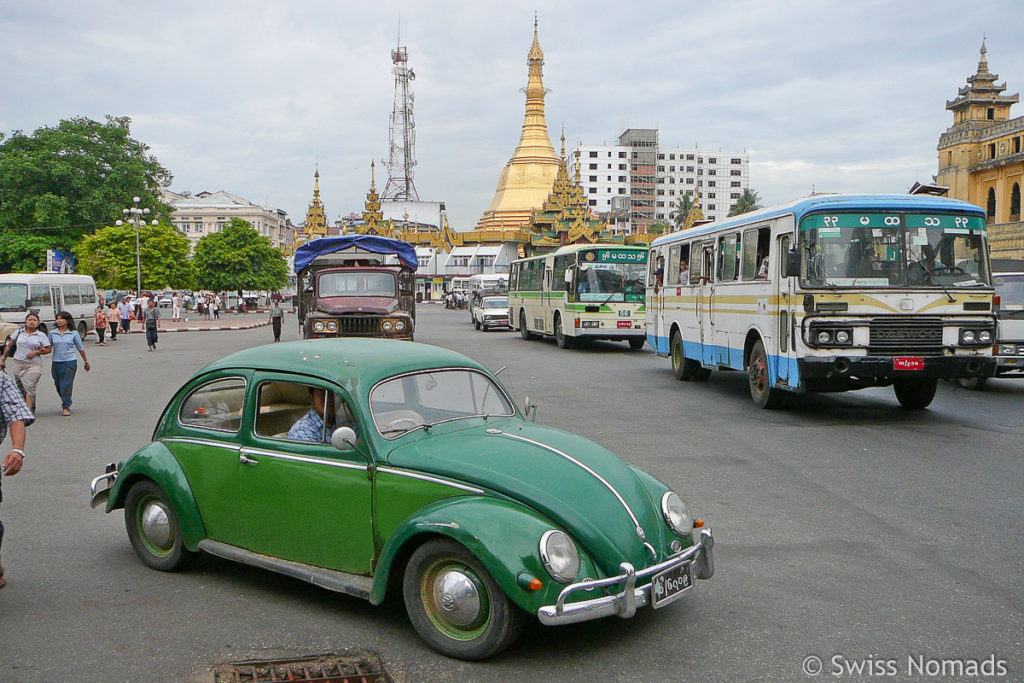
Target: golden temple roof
[[527, 178]]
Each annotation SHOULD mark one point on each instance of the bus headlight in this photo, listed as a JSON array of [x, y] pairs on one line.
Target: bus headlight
[[824, 337], [842, 336], [559, 555], [984, 336], [967, 336], [676, 515]]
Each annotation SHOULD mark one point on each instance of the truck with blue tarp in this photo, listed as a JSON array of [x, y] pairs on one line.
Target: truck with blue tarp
[[356, 286]]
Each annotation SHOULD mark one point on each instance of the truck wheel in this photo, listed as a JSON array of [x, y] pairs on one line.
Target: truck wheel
[[454, 603], [560, 338], [915, 394], [764, 395]]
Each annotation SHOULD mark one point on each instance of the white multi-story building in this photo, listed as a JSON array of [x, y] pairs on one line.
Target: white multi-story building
[[610, 180], [198, 215]]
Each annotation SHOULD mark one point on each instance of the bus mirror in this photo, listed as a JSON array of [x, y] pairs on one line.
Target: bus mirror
[[792, 263], [568, 277]]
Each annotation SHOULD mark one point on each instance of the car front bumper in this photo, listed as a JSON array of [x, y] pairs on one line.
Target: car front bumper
[[625, 603], [99, 493]]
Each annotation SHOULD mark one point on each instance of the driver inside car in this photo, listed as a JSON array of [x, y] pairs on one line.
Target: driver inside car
[[311, 427]]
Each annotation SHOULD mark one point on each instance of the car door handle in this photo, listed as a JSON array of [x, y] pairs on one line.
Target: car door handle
[[245, 460]]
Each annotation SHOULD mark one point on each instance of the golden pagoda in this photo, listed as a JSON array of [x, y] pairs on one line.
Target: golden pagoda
[[316, 217], [529, 175]]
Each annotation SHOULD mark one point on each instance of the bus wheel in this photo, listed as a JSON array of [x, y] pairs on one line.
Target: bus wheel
[[764, 395], [972, 382], [560, 338], [523, 332], [683, 367], [636, 344], [915, 394]]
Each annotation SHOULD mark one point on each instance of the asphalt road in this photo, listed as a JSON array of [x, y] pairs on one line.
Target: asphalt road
[[846, 529]]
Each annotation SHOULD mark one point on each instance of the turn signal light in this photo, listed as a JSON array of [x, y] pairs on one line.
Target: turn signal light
[[577, 322], [996, 301], [535, 584], [698, 523]]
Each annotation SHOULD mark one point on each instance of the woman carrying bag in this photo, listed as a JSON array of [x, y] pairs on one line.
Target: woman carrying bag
[[25, 350]]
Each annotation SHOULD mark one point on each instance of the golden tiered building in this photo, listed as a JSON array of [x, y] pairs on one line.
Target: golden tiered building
[[981, 157], [316, 218]]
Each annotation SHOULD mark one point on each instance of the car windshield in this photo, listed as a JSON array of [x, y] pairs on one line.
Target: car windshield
[[605, 282], [422, 399], [1010, 289], [356, 283], [495, 302], [12, 297], [893, 251]]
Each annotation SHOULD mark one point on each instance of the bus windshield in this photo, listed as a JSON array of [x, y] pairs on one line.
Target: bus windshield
[[898, 252], [606, 282], [356, 283], [12, 297]]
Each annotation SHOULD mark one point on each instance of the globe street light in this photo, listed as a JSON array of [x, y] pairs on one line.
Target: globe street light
[[137, 217]]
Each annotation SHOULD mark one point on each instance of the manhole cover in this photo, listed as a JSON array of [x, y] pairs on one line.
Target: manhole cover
[[364, 667]]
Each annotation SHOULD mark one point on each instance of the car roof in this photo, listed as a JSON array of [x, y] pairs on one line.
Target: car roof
[[344, 360]]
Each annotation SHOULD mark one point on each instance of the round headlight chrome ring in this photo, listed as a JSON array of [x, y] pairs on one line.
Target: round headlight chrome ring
[[387, 325], [318, 325], [968, 336], [559, 555], [842, 336], [824, 337], [399, 326], [984, 336], [676, 514], [332, 325]]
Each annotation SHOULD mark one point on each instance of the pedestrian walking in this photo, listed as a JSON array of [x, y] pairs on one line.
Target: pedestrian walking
[[215, 307], [276, 318], [150, 319], [65, 341], [175, 307], [99, 320], [124, 312], [113, 316], [29, 345], [14, 417]]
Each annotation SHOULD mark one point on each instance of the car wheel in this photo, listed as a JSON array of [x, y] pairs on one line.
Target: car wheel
[[560, 338], [153, 528], [636, 344], [915, 394], [523, 332], [476, 323], [454, 603], [764, 395]]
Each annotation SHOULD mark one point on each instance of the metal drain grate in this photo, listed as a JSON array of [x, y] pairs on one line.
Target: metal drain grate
[[357, 668]]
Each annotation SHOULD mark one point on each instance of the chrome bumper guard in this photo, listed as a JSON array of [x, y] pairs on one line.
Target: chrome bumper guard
[[100, 495], [626, 603]]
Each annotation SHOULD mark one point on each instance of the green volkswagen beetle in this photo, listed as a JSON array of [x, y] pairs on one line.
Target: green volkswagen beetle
[[359, 464]]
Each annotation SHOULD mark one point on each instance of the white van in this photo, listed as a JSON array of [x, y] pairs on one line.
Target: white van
[[47, 294]]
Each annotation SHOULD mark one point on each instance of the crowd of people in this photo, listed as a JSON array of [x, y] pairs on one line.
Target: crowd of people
[[456, 299]]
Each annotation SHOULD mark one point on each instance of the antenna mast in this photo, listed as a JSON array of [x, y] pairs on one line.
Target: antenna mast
[[402, 133]]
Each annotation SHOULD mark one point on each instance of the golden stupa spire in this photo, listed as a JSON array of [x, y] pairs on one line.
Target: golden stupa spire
[[528, 176], [371, 209], [316, 217]]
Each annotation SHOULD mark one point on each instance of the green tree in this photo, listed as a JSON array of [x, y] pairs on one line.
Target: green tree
[[109, 256], [749, 201], [658, 228], [682, 209], [238, 258], [74, 179]]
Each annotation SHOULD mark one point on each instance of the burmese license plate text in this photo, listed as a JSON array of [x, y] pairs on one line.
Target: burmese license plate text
[[671, 584], [908, 363]]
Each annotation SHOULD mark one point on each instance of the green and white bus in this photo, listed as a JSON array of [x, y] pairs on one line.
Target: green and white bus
[[579, 293]]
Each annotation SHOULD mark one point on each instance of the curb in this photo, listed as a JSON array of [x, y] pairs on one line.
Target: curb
[[169, 330]]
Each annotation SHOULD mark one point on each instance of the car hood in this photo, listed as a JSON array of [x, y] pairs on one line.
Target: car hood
[[579, 485], [374, 305]]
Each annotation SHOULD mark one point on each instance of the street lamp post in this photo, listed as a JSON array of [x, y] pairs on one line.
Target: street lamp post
[[136, 216]]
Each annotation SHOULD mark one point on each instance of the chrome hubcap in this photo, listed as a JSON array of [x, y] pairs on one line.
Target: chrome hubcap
[[456, 598], [156, 525]]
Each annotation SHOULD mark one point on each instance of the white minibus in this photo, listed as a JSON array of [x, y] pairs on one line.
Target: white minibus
[[47, 294]]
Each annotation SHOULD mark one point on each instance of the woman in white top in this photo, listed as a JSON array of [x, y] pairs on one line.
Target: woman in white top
[[26, 363]]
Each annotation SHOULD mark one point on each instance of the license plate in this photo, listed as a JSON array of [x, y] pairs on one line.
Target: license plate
[[625, 323], [671, 584], [908, 363]]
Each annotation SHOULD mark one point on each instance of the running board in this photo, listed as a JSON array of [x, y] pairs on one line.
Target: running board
[[341, 582]]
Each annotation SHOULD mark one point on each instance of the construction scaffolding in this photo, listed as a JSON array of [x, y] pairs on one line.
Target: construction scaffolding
[[402, 134], [643, 160]]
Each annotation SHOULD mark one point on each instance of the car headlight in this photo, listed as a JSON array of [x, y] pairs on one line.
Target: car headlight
[[332, 325], [387, 325], [559, 555], [318, 325], [676, 514], [399, 325]]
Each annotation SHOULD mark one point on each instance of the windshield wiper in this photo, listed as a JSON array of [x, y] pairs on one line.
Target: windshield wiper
[[931, 276]]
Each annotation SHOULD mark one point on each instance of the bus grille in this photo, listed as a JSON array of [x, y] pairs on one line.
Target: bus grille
[[359, 325], [901, 335]]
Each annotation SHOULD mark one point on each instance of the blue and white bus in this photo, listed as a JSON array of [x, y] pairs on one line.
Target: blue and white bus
[[829, 293]]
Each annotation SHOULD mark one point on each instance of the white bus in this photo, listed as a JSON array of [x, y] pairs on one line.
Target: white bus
[[47, 294], [580, 292], [830, 293]]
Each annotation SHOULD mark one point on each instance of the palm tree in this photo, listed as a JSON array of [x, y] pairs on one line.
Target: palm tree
[[749, 201], [683, 206]]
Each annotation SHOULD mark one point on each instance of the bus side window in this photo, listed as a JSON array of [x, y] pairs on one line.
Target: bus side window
[[750, 260], [728, 257], [684, 264], [672, 276], [697, 263], [652, 268]]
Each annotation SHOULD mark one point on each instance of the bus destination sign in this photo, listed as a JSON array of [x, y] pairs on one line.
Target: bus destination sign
[[834, 222], [615, 256]]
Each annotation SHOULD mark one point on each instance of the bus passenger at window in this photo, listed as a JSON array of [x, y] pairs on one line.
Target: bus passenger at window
[[762, 272], [684, 272]]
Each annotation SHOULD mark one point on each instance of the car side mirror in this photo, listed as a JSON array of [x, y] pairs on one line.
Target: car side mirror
[[792, 263], [528, 408], [343, 438]]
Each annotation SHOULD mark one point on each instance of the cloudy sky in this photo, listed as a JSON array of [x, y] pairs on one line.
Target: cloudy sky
[[248, 96]]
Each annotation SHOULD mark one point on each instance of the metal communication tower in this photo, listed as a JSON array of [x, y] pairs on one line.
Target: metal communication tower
[[402, 137]]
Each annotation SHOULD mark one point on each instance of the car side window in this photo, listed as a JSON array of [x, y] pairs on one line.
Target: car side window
[[215, 405], [300, 412]]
